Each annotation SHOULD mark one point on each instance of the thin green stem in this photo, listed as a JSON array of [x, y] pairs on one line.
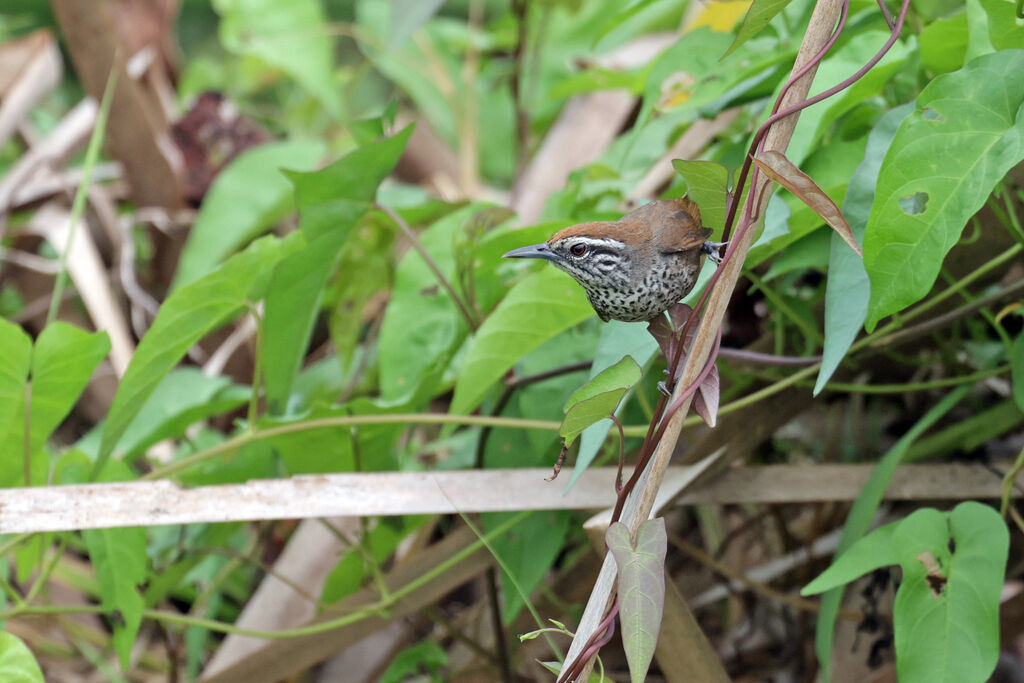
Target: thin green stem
[[912, 386], [13, 542], [92, 154], [44, 574], [1009, 480], [7, 588]]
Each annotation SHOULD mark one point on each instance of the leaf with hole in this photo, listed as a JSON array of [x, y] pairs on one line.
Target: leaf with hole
[[946, 614], [780, 169], [641, 589], [859, 520], [967, 131], [598, 398]]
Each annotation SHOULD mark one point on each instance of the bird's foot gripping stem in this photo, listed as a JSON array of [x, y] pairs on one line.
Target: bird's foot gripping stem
[[711, 249]]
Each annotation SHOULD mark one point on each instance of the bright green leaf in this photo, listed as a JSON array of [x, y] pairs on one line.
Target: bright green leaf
[[944, 43], [598, 398], [706, 184], [848, 291], [641, 589], [63, 361], [330, 203], [16, 350], [182, 398], [621, 375], [866, 555], [184, 318], [535, 309], [863, 511], [618, 339], [245, 199], [759, 15], [966, 133], [17, 662], [1004, 29]]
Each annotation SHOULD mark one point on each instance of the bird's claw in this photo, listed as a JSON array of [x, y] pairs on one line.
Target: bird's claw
[[711, 249], [663, 388]]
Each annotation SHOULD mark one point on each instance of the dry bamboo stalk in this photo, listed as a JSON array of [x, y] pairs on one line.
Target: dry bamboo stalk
[[152, 503]]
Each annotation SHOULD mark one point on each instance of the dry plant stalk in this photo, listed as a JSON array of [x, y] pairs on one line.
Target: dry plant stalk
[[639, 505]]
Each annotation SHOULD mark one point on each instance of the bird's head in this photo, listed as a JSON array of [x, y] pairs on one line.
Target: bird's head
[[599, 255]]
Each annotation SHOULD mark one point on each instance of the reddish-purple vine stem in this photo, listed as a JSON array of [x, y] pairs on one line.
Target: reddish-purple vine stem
[[602, 634], [660, 419]]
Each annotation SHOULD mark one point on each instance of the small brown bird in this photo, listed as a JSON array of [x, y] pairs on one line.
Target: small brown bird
[[637, 267]]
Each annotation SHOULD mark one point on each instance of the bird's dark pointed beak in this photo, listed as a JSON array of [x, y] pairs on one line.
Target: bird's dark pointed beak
[[533, 251]]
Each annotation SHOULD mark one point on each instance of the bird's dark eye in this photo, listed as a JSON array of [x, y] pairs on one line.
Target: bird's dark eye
[[578, 249]]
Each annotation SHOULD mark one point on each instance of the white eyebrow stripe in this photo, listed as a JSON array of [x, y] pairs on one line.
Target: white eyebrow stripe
[[597, 241]]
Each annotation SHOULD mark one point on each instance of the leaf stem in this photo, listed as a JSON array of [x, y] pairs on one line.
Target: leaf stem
[[912, 386], [467, 315]]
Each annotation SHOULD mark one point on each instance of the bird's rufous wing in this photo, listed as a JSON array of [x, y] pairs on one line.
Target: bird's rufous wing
[[679, 227]]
